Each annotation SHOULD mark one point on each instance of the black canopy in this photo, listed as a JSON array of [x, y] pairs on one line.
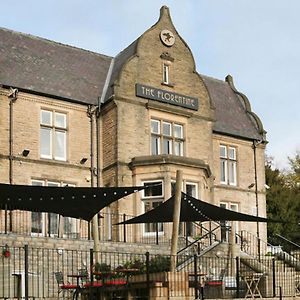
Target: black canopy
[[77, 202], [191, 210]]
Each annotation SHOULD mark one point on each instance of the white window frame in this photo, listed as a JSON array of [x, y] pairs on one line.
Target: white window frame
[[225, 165], [166, 73], [195, 184], [75, 223], [229, 205], [162, 138], [54, 130], [45, 219], [152, 199], [43, 229]]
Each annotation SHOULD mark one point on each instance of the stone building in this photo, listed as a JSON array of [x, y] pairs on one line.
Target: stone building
[[69, 116]]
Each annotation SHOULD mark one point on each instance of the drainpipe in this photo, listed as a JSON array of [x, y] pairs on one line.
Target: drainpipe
[[91, 112], [13, 96], [255, 144], [98, 144]]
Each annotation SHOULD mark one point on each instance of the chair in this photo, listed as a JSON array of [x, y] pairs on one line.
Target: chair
[[84, 276], [214, 286], [62, 286], [297, 285]]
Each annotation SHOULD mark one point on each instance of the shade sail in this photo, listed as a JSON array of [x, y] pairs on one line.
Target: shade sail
[[191, 210], [76, 202]]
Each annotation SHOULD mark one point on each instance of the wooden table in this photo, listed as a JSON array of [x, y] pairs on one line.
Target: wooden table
[[252, 282]]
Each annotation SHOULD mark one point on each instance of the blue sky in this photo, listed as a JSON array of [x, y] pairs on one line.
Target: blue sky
[[257, 42]]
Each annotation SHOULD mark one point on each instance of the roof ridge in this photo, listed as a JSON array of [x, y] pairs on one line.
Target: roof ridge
[[53, 42], [213, 78]]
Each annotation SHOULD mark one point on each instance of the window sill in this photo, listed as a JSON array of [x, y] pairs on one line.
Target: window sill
[[168, 84], [152, 234], [54, 160]]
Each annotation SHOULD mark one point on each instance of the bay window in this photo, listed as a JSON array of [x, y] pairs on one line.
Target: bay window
[[152, 197]]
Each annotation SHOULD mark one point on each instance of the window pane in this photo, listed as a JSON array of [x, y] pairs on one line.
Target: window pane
[[167, 146], [60, 145], [36, 222], [37, 182], [191, 190], [155, 145], [178, 148], [173, 187], [165, 73], [53, 223], [155, 190], [231, 153], [178, 131], [223, 151], [60, 120], [223, 171], [167, 129], [155, 126], [223, 205], [70, 227], [152, 227], [232, 172], [233, 207], [46, 117], [46, 144]]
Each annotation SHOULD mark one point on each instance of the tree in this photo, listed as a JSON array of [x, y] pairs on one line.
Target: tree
[[283, 202]]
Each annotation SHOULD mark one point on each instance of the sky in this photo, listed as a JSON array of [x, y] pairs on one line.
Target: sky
[[257, 42]]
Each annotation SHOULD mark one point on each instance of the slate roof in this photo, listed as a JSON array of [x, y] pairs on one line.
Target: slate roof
[[42, 66], [118, 63], [39, 65], [230, 112]]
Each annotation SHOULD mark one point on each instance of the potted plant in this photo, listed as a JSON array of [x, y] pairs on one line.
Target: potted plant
[[5, 251], [101, 270]]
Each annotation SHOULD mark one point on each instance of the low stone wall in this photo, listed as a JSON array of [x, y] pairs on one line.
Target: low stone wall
[[13, 240]]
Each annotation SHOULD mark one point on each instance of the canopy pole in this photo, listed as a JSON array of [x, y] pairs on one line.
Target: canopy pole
[[176, 219]]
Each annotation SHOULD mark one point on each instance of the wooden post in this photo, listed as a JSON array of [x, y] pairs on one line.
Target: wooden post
[[176, 219], [96, 237]]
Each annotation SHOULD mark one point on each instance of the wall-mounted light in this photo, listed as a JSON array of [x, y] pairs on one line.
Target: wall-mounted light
[[25, 152], [251, 185], [83, 160]]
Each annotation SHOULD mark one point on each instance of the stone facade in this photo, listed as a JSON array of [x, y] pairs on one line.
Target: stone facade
[[119, 133]]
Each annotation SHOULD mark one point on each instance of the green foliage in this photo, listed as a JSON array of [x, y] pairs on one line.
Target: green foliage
[[159, 264], [134, 264], [101, 268], [283, 202]]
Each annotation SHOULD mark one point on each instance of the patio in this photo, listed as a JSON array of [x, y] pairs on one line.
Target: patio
[[29, 273]]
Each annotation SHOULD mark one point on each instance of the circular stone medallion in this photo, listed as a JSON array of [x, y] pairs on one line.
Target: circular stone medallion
[[167, 37]]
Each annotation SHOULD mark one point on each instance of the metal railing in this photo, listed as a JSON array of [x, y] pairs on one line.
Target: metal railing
[[40, 224], [27, 273]]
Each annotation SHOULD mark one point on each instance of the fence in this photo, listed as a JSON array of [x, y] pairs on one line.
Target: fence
[[30, 273], [52, 225]]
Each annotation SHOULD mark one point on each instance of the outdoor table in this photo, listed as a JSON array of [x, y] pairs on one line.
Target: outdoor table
[[104, 275], [78, 287], [252, 282]]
